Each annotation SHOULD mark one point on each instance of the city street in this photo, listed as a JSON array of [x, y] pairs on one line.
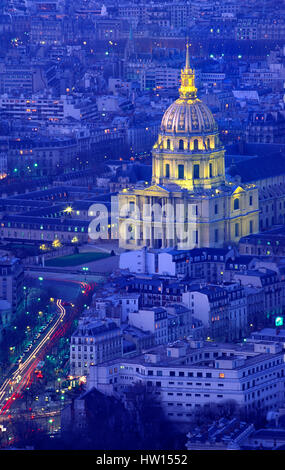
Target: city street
[[22, 376]]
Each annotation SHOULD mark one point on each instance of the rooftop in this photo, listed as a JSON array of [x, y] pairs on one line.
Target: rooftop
[[226, 352]]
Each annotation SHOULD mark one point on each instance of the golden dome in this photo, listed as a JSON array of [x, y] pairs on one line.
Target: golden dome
[[188, 114], [188, 117]]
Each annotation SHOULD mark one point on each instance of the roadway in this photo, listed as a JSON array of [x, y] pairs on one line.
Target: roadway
[[19, 379]]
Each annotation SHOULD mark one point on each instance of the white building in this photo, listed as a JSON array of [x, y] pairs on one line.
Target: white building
[[138, 261], [168, 262], [159, 77], [212, 77], [112, 103], [173, 262], [42, 107], [209, 304], [129, 303], [191, 375], [153, 320], [222, 310]]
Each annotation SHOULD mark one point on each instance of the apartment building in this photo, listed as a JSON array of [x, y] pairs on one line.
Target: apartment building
[[272, 286], [154, 291], [94, 341], [11, 281], [159, 77], [39, 107], [188, 376], [200, 263], [210, 305], [153, 320], [41, 155], [260, 28]]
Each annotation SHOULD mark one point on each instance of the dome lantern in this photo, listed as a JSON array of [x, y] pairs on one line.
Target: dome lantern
[[187, 89]]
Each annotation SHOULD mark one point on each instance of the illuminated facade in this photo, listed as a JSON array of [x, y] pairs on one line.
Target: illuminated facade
[[189, 202]]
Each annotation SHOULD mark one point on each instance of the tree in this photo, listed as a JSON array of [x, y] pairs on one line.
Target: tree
[[105, 422], [212, 411], [154, 430]]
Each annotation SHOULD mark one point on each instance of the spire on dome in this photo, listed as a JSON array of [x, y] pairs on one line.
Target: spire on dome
[[187, 89], [187, 63]]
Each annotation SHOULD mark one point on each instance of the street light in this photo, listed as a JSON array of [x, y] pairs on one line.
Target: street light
[[85, 269]]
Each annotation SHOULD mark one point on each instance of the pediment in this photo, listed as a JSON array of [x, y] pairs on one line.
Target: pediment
[[157, 188], [238, 189]]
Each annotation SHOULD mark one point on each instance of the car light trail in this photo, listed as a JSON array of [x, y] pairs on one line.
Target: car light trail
[[22, 377], [23, 374]]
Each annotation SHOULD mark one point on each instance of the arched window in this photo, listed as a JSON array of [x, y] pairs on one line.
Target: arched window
[[208, 144], [181, 144], [196, 144], [236, 204], [168, 144]]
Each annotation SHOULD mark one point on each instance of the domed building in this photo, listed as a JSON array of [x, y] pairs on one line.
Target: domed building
[[189, 203]]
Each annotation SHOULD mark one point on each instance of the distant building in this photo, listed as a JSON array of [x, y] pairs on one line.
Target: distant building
[[41, 155], [262, 28], [267, 127], [46, 30], [40, 107]]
